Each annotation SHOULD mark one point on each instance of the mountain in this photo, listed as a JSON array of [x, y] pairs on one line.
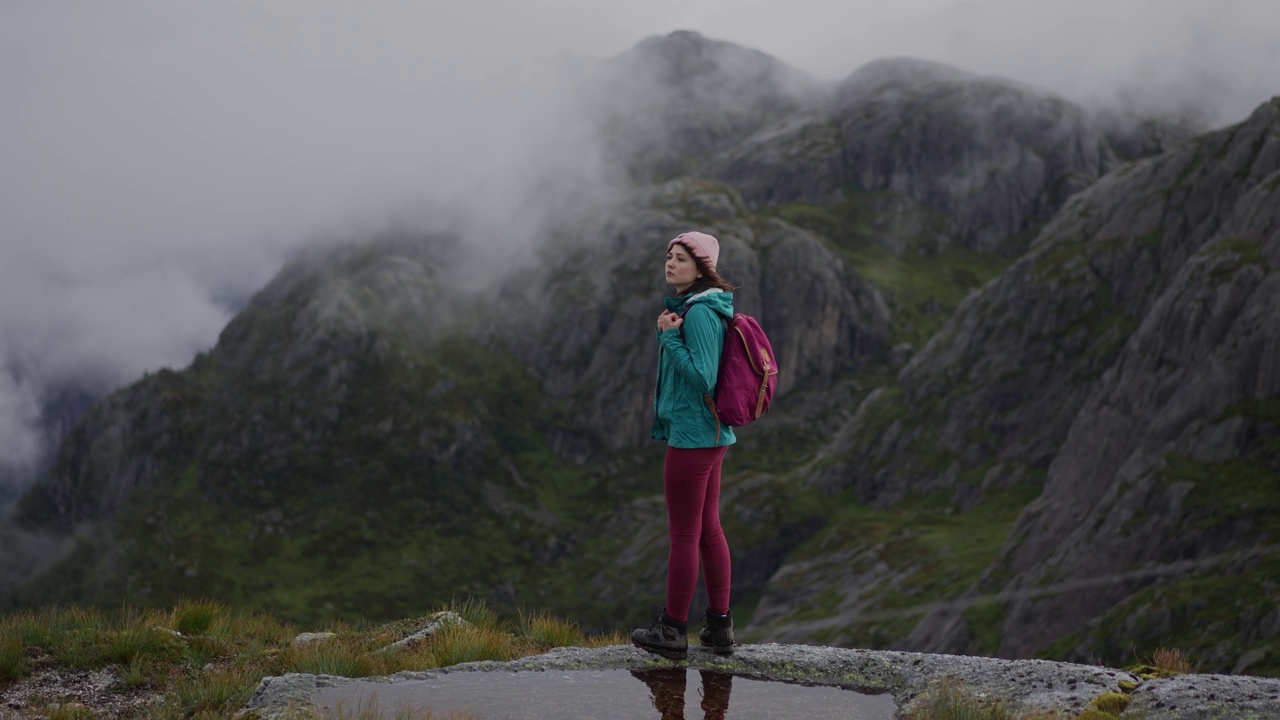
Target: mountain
[[670, 103], [1027, 402], [1125, 368]]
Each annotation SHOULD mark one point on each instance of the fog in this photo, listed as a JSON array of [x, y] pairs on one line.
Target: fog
[[160, 160]]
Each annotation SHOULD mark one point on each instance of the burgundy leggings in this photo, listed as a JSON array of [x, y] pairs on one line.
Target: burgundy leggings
[[691, 479]]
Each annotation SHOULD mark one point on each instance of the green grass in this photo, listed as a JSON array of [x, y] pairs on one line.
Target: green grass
[[364, 521], [13, 663], [1242, 490], [983, 619], [939, 551], [1200, 613], [548, 631], [212, 669], [193, 617], [925, 283]]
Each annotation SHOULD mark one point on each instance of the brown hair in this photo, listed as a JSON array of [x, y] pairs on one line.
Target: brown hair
[[710, 278]]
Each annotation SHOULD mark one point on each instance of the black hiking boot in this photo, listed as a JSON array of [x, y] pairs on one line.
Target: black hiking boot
[[717, 632], [666, 637]]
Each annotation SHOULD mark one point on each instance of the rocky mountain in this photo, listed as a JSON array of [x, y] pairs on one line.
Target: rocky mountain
[[1127, 366], [994, 158], [1027, 403]]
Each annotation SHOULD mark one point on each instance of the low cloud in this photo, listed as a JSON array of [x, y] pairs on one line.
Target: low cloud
[[161, 160], [19, 418]]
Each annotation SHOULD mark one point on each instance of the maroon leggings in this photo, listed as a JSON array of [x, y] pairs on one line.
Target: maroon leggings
[[691, 479]]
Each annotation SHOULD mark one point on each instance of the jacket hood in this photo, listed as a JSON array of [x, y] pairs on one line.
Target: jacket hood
[[712, 298]]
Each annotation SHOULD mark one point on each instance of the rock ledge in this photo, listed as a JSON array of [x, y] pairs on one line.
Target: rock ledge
[[1036, 684]]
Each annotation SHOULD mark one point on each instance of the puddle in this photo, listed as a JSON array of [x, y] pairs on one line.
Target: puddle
[[668, 693]]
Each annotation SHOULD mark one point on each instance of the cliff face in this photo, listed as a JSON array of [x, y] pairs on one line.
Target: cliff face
[[1179, 441], [995, 158], [1128, 363], [1028, 402]]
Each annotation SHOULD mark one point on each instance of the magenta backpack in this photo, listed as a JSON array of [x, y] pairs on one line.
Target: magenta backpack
[[748, 374]]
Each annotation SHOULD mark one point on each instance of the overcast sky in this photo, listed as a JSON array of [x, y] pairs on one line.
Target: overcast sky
[[160, 158]]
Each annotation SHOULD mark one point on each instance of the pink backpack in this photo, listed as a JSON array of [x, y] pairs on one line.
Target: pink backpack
[[748, 374]]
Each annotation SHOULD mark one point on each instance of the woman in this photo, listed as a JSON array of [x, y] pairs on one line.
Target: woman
[[690, 337]]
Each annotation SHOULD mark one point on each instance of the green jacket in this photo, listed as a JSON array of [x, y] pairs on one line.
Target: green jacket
[[687, 371]]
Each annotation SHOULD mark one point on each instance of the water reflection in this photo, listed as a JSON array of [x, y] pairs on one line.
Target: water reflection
[[673, 692], [667, 687]]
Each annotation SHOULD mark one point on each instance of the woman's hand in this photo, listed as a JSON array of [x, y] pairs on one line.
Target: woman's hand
[[669, 321]]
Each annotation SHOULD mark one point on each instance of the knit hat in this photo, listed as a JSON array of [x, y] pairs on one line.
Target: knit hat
[[702, 245]]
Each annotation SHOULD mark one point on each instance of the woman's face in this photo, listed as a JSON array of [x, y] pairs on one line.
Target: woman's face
[[682, 271]]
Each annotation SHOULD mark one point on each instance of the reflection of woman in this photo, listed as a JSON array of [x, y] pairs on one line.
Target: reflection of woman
[[690, 335], [667, 686]]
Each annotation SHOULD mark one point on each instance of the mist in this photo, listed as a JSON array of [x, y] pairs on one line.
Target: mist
[[162, 160]]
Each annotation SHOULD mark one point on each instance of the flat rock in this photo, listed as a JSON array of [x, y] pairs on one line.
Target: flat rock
[[1034, 684], [1209, 697]]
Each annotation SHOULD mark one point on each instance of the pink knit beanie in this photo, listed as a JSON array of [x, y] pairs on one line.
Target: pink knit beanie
[[702, 245]]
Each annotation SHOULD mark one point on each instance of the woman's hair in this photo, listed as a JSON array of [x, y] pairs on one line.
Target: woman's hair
[[710, 278]]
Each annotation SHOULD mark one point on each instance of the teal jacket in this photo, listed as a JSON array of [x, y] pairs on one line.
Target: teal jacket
[[687, 371]]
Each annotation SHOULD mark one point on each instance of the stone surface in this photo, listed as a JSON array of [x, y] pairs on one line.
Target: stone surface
[[1032, 684], [438, 622], [308, 638], [1208, 697]]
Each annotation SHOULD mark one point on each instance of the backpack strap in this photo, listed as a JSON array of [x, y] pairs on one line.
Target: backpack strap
[[708, 399]]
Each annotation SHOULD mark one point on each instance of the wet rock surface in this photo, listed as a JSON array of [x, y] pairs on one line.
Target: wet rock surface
[[1034, 684]]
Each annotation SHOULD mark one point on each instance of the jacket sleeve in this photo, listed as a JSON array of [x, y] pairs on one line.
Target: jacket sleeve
[[697, 357]]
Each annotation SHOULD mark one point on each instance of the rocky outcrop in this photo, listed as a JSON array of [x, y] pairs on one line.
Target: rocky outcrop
[[1129, 360], [1019, 359], [1031, 685], [1182, 421], [998, 158], [995, 158]]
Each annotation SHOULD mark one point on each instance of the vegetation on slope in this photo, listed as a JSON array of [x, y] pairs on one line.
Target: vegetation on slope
[[201, 659]]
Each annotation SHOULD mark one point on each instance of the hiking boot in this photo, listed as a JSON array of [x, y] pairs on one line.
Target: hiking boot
[[666, 636], [717, 631]]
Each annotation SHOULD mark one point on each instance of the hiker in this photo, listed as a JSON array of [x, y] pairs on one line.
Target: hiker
[[691, 332]]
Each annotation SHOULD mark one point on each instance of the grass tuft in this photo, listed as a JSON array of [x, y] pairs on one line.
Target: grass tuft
[[543, 630], [1173, 661], [131, 643], [196, 617], [13, 661], [471, 643], [1113, 703], [345, 655], [137, 674], [1163, 663], [219, 693], [480, 614], [615, 637]]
